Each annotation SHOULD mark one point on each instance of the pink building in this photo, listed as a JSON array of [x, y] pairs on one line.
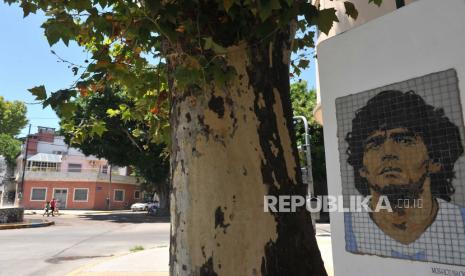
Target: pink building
[[55, 170]]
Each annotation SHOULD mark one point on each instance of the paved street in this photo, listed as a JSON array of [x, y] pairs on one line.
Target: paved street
[[77, 240], [96, 242]]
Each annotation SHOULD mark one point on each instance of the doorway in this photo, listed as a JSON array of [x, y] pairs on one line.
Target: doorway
[[61, 195]]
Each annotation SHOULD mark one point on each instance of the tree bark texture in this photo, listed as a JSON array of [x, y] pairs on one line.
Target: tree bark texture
[[231, 147]]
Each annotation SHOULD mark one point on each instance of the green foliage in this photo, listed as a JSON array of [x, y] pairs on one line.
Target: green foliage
[[303, 101], [303, 104], [136, 44], [351, 11], [136, 248], [12, 117], [9, 147], [122, 141], [377, 2], [39, 92]]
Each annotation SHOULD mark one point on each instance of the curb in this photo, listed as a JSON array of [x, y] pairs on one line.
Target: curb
[[26, 225]]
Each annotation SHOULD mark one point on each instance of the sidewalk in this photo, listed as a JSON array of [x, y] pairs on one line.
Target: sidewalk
[[154, 261], [77, 212]]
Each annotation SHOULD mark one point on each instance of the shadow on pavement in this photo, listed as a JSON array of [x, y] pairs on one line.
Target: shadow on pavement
[[125, 218]]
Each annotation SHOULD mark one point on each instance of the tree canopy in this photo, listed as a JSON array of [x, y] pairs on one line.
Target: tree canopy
[[9, 147], [122, 141], [136, 44], [12, 117], [12, 120], [303, 104]]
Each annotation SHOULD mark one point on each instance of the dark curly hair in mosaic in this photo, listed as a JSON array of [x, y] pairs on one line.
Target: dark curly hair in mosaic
[[395, 109]]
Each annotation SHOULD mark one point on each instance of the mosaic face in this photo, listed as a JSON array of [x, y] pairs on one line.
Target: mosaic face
[[404, 142], [395, 157]]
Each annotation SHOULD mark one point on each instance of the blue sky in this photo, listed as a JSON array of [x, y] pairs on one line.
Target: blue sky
[[26, 61]]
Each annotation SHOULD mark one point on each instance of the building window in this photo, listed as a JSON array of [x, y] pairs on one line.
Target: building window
[[43, 166], [38, 194], [119, 195], [136, 194], [81, 194], [104, 168], [74, 167]]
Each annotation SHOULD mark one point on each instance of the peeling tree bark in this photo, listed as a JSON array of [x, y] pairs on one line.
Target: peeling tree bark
[[231, 147]]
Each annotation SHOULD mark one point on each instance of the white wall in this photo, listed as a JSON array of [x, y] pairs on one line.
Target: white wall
[[366, 12], [416, 40], [57, 145]]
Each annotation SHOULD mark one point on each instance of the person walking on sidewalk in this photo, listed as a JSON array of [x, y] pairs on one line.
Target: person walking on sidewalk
[[47, 209], [53, 205]]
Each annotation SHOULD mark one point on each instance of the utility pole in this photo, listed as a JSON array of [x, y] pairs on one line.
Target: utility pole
[[20, 188], [308, 166], [109, 187]]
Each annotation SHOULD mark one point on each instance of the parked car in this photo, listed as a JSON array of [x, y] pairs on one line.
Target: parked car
[[144, 206], [139, 206]]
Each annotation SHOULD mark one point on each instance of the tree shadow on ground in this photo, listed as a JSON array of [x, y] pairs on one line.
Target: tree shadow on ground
[[125, 218]]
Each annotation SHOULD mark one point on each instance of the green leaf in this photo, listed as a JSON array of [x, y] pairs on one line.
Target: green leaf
[[137, 132], [227, 4], [303, 63], [39, 92], [126, 115], [222, 77], [324, 20], [267, 8], [210, 44], [59, 97], [98, 128], [66, 110], [62, 27], [351, 11], [113, 112], [377, 2], [28, 8], [186, 77]]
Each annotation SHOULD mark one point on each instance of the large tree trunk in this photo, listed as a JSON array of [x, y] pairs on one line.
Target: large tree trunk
[[231, 147]]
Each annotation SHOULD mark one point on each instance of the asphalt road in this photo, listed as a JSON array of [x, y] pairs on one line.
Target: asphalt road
[[76, 240]]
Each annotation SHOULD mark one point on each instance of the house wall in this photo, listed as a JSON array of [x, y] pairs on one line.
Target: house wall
[[89, 164], [58, 144], [98, 192], [102, 194], [416, 40]]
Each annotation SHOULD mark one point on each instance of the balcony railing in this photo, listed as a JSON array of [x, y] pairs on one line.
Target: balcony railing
[[85, 175]]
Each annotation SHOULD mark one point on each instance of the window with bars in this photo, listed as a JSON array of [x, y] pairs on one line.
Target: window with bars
[[43, 166], [81, 194], [119, 195], [38, 194]]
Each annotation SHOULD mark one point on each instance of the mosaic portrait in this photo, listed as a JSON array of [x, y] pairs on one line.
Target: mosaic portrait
[[404, 142]]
